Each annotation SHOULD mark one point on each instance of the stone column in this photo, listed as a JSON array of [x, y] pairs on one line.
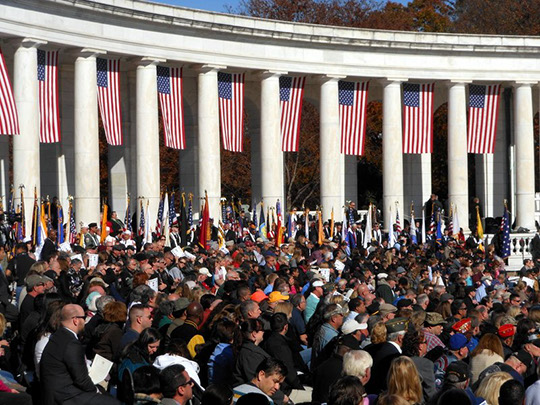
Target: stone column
[[332, 160], [148, 179], [26, 145], [458, 188], [208, 139], [524, 140], [392, 152], [86, 143], [271, 158]]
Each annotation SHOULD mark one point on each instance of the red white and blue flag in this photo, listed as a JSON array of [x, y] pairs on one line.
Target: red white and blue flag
[[170, 88], [483, 113], [352, 116], [418, 117], [231, 110], [108, 84], [291, 94], [9, 119], [49, 116]]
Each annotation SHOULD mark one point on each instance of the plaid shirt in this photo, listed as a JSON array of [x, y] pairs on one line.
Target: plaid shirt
[[432, 341]]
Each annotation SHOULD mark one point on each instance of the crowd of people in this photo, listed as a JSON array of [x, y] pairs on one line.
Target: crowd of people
[[252, 321]]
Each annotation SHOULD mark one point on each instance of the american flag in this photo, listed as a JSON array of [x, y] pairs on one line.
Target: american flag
[[169, 85], [231, 110], [159, 219], [505, 230], [352, 116], [190, 211], [127, 217], [108, 84], [72, 224], [398, 223], [291, 94], [142, 226], [9, 119], [483, 113], [418, 118], [172, 212], [49, 117]]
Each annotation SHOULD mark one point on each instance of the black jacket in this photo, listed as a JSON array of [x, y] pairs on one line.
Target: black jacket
[[279, 347], [63, 369], [382, 358], [248, 359]]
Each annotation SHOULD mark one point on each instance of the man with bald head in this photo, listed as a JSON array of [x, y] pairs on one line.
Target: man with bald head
[[64, 375], [189, 330]]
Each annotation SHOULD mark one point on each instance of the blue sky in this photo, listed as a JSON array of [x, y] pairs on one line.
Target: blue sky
[[215, 5]]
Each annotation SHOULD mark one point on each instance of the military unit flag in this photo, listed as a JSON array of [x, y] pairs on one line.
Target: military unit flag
[[9, 119], [352, 116], [170, 88], [49, 116], [231, 110], [505, 231], [291, 94], [418, 118], [108, 85], [483, 113]]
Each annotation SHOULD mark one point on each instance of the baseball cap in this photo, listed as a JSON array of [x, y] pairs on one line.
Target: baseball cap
[[434, 319], [352, 326], [258, 296], [523, 356], [318, 283], [507, 330], [457, 341], [405, 302], [205, 271], [385, 309], [180, 304], [33, 280], [457, 371], [277, 296], [446, 297], [462, 326]]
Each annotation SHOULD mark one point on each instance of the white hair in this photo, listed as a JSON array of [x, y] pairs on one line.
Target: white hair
[[357, 363]]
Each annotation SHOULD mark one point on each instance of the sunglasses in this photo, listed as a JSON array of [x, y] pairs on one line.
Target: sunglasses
[[188, 382]]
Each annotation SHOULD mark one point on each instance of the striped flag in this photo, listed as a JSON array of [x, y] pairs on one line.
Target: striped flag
[[108, 85], [505, 231], [72, 225], [159, 219], [418, 117], [483, 113], [352, 116], [172, 212], [142, 225], [9, 119], [291, 94], [49, 116], [231, 110], [169, 85], [127, 217]]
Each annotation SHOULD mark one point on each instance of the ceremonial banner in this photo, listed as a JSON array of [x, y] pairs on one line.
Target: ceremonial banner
[[170, 89], [108, 85], [418, 118], [49, 117], [231, 110], [9, 120], [291, 94], [483, 113], [352, 116]]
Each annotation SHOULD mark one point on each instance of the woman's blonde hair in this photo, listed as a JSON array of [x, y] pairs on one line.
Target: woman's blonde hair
[[404, 380], [490, 386], [378, 333], [387, 399], [285, 307]]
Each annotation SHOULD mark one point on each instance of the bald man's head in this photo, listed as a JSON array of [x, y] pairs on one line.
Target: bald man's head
[[72, 317], [195, 311]]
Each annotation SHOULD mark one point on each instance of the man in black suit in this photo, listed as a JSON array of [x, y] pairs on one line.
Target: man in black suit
[[385, 353], [49, 247], [64, 374]]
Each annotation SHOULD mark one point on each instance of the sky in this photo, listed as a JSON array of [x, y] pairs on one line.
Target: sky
[[216, 5]]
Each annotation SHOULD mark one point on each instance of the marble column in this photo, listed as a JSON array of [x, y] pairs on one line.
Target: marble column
[[26, 145], [208, 139], [332, 161], [271, 156], [86, 143], [458, 186], [148, 178], [392, 152], [524, 140]]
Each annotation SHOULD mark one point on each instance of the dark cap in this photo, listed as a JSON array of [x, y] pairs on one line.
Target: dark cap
[[405, 302], [118, 247], [397, 325], [434, 319], [92, 224], [523, 356], [446, 297], [457, 371], [180, 304]]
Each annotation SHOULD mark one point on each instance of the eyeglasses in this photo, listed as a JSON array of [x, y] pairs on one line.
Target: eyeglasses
[[188, 382]]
